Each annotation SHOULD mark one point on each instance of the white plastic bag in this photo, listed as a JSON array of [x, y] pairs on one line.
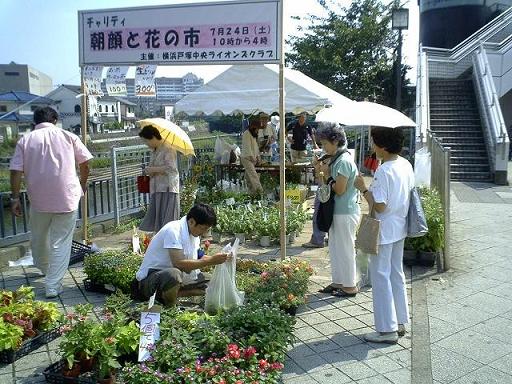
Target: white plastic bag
[[221, 292], [422, 167]]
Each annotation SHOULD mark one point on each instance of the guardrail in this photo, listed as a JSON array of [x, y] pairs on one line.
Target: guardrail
[[497, 139], [440, 180], [112, 192]]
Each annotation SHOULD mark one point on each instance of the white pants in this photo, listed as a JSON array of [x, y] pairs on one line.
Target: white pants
[[251, 176], [388, 286], [51, 238], [342, 235]]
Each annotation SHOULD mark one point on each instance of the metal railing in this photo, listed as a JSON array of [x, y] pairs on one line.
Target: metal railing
[[440, 180], [422, 100], [112, 193], [495, 131]]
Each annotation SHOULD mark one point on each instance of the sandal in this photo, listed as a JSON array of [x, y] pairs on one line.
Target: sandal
[[342, 293], [329, 289]]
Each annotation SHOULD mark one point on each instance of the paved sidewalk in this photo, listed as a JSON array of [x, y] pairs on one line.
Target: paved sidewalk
[[329, 330], [470, 307]]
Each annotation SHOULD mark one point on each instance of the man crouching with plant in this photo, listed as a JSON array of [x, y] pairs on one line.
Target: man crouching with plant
[[171, 266]]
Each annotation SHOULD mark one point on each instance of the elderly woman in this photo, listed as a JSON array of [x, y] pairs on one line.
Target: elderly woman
[[389, 194], [164, 184], [342, 170]]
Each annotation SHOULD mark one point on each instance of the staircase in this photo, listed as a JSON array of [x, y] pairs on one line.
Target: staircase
[[455, 120]]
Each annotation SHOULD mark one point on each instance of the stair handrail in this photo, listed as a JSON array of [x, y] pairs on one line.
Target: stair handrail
[[495, 131], [483, 69], [422, 99]]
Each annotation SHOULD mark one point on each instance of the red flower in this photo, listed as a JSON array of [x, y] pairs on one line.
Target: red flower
[[249, 352], [277, 366], [263, 364]]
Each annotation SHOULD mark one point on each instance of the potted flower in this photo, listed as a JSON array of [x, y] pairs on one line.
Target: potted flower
[[112, 267], [25, 323], [282, 283], [266, 225]]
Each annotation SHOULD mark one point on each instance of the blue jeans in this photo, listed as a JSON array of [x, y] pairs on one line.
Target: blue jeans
[[317, 237]]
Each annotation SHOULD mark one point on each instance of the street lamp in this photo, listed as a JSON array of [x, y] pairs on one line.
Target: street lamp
[[400, 21]]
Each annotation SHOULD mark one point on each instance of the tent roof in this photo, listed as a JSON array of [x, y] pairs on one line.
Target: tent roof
[[252, 88]]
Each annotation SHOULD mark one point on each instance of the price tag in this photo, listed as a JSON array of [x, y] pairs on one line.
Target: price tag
[[150, 328]]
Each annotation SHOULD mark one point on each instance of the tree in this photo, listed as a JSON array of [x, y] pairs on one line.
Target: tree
[[350, 51]]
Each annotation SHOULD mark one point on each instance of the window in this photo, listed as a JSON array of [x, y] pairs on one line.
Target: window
[[77, 109], [100, 109], [3, 108], [11, 73], [106, 108]]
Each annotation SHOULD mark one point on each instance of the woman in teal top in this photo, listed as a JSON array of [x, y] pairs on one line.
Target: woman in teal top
[[342, 233]]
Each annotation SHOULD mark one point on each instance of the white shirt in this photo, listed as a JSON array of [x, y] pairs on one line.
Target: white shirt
[[173, 235], [391, 185]]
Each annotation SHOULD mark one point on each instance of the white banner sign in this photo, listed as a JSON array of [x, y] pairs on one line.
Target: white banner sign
[[145, 80], [223, 32], [93, 106], [92, 80], [168, 112], [116, 81]]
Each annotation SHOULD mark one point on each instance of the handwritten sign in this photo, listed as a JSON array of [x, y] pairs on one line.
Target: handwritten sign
[[116, 81], [150, 328], [145, 80], [92, 80]]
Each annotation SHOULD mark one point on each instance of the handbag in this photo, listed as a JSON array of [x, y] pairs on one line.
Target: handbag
[[367, 237], [143, 184], [325, 195], [416, 221], [325, 213]]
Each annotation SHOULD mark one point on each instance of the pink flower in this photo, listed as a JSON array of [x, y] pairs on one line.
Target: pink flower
[[70, 316], [277, 366], [249, 352], [263, 364], [264, 275]]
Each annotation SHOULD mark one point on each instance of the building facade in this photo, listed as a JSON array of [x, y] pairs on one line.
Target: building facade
[[24, 78], [446, 23]]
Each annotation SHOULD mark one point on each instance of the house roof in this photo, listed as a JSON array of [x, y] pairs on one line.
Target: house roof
[[72, 88], [24, 97], [14, 116]]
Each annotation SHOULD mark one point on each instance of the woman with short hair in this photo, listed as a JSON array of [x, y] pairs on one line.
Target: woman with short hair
[[342, 171], [389, 194], [164, 184]]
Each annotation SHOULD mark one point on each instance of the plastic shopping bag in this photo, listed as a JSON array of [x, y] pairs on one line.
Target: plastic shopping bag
[[422, 166], [222, 292]]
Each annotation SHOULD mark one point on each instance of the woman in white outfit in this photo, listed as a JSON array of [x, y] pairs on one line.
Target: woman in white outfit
[[389, 193], [342, 171]]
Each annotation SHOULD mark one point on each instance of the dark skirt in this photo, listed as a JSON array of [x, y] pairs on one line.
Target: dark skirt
[[163, 208]]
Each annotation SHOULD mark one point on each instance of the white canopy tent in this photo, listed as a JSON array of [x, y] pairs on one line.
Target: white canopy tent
[[252, 88], [365, 113]]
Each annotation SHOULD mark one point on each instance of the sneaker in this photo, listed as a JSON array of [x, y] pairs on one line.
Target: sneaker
[[54, 292], [401, 330], [309, 244], [378, 337]]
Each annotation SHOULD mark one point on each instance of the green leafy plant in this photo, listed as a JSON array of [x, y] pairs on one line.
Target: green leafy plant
[[433, 241], [188, 195], [113, 267], [22, 317]]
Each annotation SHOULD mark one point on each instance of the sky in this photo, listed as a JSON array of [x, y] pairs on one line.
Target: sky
[[44, 34]]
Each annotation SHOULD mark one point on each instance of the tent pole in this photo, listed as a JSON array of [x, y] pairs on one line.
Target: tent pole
[[84, 118], [282, 139]]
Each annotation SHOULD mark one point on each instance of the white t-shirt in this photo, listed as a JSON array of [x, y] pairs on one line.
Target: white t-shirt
[[173, 235], [392, 185]]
